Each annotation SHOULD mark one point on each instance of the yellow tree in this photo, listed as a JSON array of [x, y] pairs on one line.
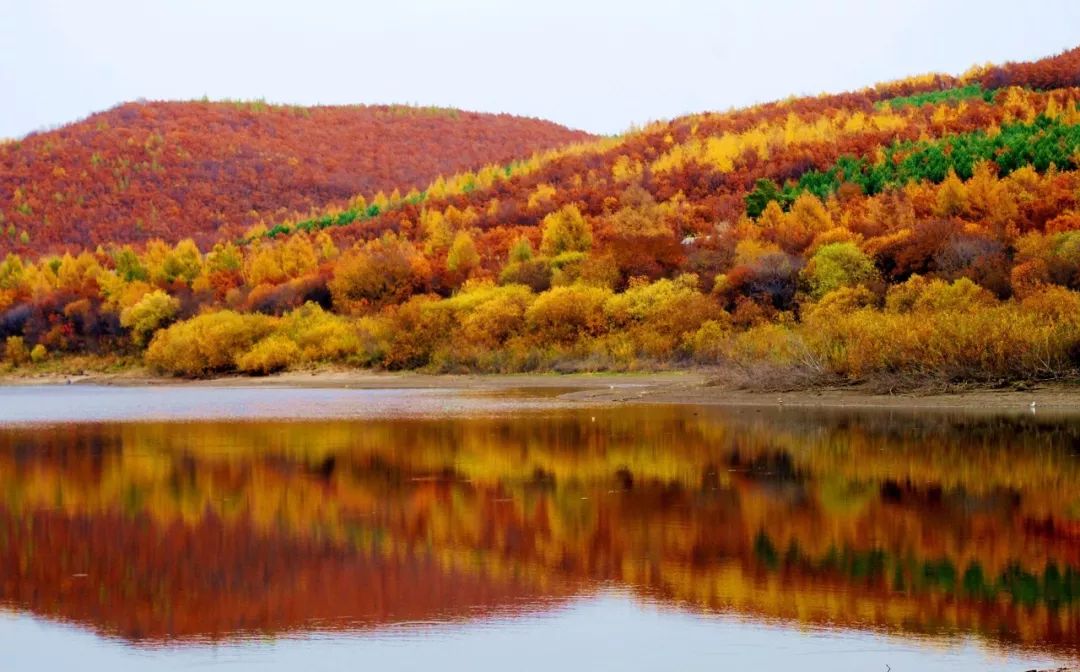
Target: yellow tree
[[463, 257], [565, 230]]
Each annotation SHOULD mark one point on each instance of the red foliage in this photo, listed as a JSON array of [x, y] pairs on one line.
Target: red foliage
[[208, 170]]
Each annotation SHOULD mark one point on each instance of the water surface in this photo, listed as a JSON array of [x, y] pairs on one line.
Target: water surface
[[181, 528]]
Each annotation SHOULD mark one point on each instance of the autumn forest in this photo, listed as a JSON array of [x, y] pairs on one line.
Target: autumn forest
[[921, 230]]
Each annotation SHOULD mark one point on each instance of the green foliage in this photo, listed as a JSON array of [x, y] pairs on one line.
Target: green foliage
[[763, 193], [521, 251], [938, 97], [1041, 144], [128, 265], [837, 265]]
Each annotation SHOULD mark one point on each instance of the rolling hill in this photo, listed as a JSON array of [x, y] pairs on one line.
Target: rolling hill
[[923, 229], [171, 170]]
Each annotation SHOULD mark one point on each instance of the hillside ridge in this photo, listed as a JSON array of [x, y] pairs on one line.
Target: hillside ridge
[[159, 169], [919, 233]]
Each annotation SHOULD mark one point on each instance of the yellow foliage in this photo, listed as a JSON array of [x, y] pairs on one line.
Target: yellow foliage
[[626, 169], [275, 263], [563, 314], [320, 335], [463, 257], [541, 196], [565, 230], [208, 343], [273, 353], [921, 295], [148, 314], [386, 270], [15, 350]]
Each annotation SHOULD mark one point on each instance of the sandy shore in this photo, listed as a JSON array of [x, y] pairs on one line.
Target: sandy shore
[[681, 387]]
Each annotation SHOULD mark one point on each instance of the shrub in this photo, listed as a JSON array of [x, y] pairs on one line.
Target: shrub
[[564, 314], [38, 354], [708, 343], [15, 350], [660, 316], [919, 295], [381, 272], [208, 343], [415, 329], [148, 314], [837, 265], [533, 273], [273, 353], [320, 335], [496, 318]]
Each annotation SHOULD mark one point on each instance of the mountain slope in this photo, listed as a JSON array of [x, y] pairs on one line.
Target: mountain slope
[[202, 169], [921, 229]]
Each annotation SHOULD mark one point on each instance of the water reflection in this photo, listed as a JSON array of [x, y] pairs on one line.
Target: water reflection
[[174, 532]]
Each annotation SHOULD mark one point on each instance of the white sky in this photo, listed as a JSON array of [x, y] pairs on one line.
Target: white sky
[[596, 65]]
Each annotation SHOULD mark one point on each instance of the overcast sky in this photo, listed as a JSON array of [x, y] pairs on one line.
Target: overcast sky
[[599, 66]]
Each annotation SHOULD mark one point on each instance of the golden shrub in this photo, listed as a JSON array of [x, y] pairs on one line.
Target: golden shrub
[[15, 350], [564, 314], [208, 343], [273, 353]]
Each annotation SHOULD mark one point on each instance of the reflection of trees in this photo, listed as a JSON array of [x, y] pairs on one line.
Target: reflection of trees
[[961, 525]]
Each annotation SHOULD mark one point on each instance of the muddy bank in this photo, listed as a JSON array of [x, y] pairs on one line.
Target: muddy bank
[[681, 387]]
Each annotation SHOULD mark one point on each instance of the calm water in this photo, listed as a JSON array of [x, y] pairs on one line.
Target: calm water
[[192, 528]]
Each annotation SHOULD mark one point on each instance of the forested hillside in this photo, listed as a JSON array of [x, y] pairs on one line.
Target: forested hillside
[[207, 170], [920, 229]]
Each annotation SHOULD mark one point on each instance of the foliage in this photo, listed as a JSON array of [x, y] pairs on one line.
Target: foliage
[[206, 170], [837, 265], [382, 271], [918, 228], [151, 312], [271, 354], [208, 343], [565, 231]]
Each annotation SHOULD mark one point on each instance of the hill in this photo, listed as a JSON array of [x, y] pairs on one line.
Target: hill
[[915, 231], [205, 170]]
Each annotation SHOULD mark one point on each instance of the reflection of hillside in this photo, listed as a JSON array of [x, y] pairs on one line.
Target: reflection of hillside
[[132, 578], [858, 521]]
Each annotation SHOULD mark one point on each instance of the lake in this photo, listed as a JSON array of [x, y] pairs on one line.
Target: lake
[[162, 528]]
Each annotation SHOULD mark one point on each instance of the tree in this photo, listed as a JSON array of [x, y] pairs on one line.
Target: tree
[[565, 230], [15, 350], [764, 192], [838, 265], [383, 271], [463, 257], [150, 313]]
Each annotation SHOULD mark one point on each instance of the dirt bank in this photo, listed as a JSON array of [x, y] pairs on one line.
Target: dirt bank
[[682, 387]]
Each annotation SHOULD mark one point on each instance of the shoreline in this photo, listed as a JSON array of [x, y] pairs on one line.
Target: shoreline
[[684, 387]]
